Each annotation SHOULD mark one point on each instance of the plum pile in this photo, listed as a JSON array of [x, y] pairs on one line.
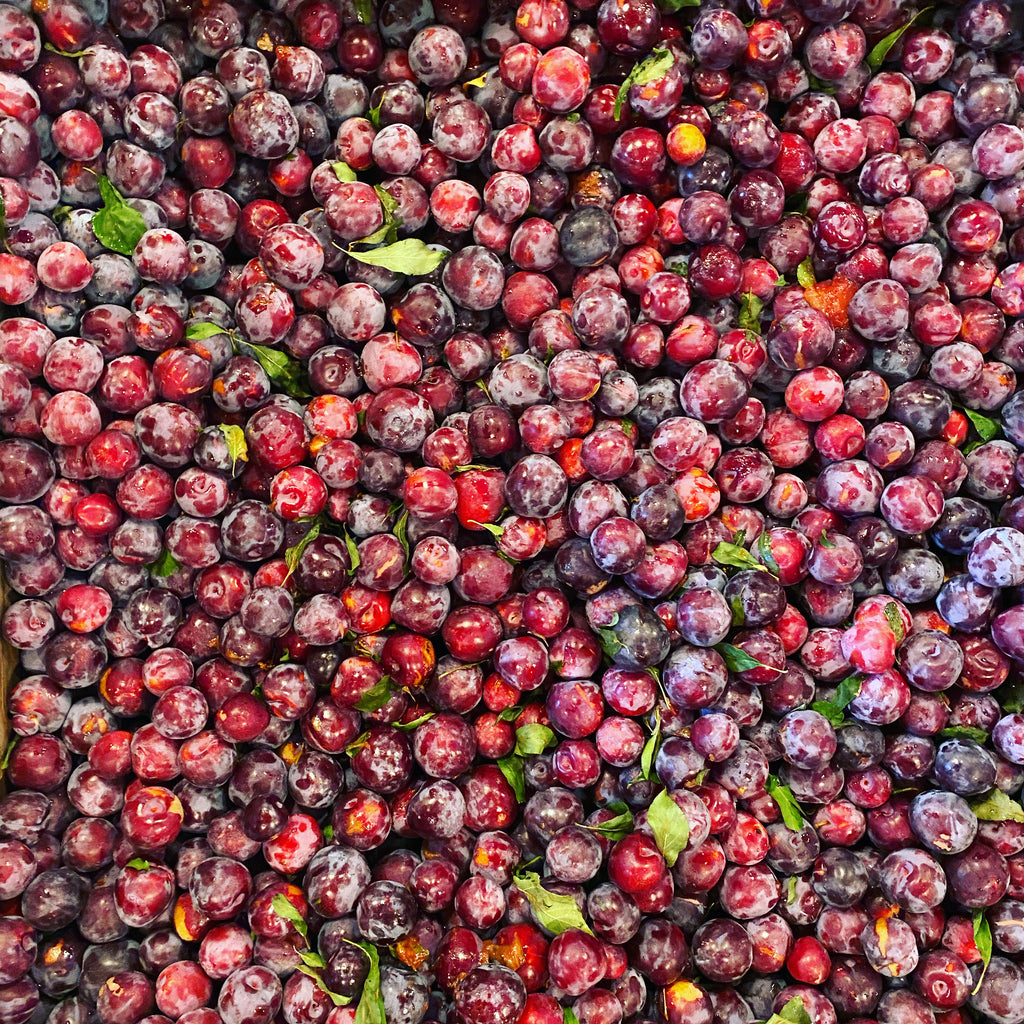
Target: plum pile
[[512, 513]]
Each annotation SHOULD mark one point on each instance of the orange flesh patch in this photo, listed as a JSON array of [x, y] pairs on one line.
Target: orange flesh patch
[[832, 298]]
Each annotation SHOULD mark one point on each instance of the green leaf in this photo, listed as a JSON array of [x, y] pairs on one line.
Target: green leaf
[[321, 984], [964, 732], [555, 912], [235, 438], [794, 1012], [1011, 697], [829, 88], [371, 1003], [343, 172], [805, 274], [614, 828], [997, 806], [983, 940], [895, 620], [198, 330], [568, 1017], [494, 530], [824, 541], [287, 373], [409, 726], [311, 959], [353, 551], [327, 832], [388, 231], [377, 696], [610, 643], [512, 768], [510, 714], [750, 313], [736, 659], [400, 530], [375, 116], [764, 549], [792, 816], [847, 690], [650, 751], [6, 760], [65, 53], [656, 66], [876, 58], [986, 428], [283, 907], [534, 739], [165, 565], [409, 256], [139, 864], [669, 825], [735, 555], [115, 224], [294, 553], [364, 11], [829, 710], [791, 891]]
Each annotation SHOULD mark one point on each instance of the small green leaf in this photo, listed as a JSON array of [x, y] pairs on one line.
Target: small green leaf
[[139, 864], [1011, 697], [377, 696], [401, 532], [321, 984], [736, 659], [791, 892], [512, 768], [342, 171], [491, 528], [283, 907], [65, 53], [614, 828], [287, 373], [6, 760], [510, 714], [478, 83], [165, 565], [986, 428], [610, 643], [364, 11], [895, 620], [650, 751], [829, 88], [375, 116], [846, 691], [409, 256], [328, 832], [654, 67], [353, 551], [409, 726], [115, 224], [829, 710], [555, 912], [805, 274], [824, 541], [792, 816], [983, 940], [235, 438], [534, 739], [311, 959], [764, 549], [997, 806], [735, 555], [876, 58], [573, 117], [794, 1012], [371, 1003], [568, 1017], [669, 825], [198, 330], [750, 313], [671, 6], [294, 553], [964, 732]]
